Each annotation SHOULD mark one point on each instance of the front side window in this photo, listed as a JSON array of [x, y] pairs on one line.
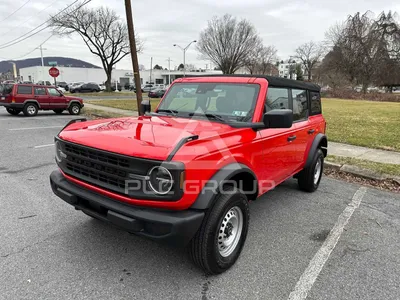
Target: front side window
[[300, 104], [53, 92], [230, 102], [24, 90]]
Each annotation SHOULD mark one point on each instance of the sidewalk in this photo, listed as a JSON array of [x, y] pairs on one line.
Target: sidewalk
[[337, 149], [375, 155]]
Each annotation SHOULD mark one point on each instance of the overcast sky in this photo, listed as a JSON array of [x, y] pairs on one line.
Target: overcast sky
[[160, 24]]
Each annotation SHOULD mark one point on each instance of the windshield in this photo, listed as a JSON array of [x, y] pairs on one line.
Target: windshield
[[6, 89], [231, 102]]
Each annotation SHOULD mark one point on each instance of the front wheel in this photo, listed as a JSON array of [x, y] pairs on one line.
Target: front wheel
[[220, 239], [13, 111], [310, 177], [74, 109]]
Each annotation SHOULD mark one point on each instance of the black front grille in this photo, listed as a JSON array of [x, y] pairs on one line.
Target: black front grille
[[111, 171]]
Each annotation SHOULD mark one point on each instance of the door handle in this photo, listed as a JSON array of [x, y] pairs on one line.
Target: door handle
[[291, 138], [311, 131]]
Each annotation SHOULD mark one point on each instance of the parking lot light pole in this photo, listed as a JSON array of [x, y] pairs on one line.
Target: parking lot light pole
[[184, 55]]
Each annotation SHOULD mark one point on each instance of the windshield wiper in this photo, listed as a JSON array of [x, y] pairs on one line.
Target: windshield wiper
[[170, 111], [208, 115]]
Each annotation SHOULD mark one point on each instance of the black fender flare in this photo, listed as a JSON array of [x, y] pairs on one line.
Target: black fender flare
[[32, 101], [72, 102], [320, 141], [208, 194]]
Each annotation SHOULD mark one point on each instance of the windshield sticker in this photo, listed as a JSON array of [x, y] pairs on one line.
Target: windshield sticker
[[239, 113]]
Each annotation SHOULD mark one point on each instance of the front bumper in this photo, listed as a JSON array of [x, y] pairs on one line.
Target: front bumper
[[173, 227]]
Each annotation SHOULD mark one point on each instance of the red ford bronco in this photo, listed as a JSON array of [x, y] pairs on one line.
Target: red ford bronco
[[30, 98], [185, 174]]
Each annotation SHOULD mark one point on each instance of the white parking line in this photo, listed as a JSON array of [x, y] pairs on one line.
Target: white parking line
[[43, 146], [34, 128], [309, 276]]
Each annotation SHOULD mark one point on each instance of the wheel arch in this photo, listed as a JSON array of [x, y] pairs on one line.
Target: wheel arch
[[235, 173], [74, 101], [320, 142], [32, 101]]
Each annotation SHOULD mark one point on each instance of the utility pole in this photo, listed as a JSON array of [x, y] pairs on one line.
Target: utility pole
[[41, 55], [151, 68], [184, 55], [135, 63], [169, 70]]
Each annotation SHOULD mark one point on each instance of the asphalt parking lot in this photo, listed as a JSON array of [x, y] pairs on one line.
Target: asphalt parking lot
[[341, 242]]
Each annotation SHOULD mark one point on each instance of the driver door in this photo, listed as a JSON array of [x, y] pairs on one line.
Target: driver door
[[56, 99]]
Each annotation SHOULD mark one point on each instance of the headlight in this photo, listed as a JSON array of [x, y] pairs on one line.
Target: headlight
[[60, 155], [160, 180]]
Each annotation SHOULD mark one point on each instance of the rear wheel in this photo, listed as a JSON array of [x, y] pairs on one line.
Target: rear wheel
[[220, 239], [13, 111], [58, 111], [310, 177], [30, 109], [74, 109]]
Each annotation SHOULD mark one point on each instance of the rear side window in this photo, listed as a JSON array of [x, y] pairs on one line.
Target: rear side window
[[40, 91], [277, 98], [24, 90], [300, 104], [6, 89], [315, 103]]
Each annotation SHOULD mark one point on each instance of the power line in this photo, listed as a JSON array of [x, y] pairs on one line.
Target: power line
[[24, 36], [17, 10], [33, 49], [27, 19]]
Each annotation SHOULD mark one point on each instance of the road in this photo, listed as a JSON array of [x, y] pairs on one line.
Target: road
[[50, 251]]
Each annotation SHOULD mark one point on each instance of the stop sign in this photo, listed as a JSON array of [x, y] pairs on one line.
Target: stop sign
[[54, 72]]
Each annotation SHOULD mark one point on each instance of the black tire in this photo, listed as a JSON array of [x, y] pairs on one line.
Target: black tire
[[204, 247], [309, 178], [13, 111], [30, 109], [58, 111], [74, 109]]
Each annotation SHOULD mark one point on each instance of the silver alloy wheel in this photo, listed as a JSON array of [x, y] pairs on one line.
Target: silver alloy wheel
[[317, 170], [31, 109], [230, 232], [75, 109]]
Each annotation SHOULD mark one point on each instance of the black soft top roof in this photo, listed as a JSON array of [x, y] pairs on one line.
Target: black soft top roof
[[273, 81]]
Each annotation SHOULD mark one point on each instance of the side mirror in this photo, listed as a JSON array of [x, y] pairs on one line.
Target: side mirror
[[145, 106], [278, 118]]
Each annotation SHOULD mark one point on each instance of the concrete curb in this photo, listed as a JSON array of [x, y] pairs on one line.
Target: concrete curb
[[360, 172]]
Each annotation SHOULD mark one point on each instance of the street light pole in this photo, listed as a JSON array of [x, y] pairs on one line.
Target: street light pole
[[184, 55]]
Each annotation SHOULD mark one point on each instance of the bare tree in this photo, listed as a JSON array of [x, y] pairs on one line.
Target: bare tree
[[309, 54], [365, 50], [102, 30], [262, 62], [227, 42]]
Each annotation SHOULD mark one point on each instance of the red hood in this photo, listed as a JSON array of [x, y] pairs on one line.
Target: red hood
[[147, 137]]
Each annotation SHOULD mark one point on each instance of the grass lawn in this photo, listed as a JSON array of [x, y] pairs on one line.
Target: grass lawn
[[377, 167], [123, 104], [363, 123]]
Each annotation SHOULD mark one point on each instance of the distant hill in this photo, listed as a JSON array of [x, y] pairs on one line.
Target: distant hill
[[5, 66]]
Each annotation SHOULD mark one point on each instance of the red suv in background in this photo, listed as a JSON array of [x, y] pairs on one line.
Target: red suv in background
[[186, 173], [30, 98]]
